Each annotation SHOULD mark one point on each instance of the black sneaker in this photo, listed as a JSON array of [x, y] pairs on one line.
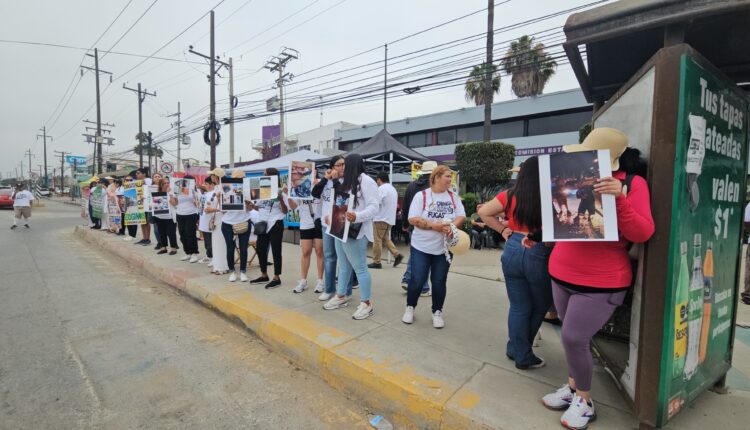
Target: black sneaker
[[140, 242], [536, 363], [146, 243], [157, 246], [259, 280], [13, 227], [398, 260], [375, 266], [273, 284], [26, 225]]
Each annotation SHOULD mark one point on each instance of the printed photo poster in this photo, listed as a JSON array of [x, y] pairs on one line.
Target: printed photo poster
[[160, 203], [261, 188], [86, 194], [232, 195], [132, 202], [301, 180], [98, 195], [182, 187], [569, 204], [114, 213], [339, 225]]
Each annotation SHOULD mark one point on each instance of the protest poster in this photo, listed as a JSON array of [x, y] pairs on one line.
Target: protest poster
[[232, 196], [132, 197], [339, 225], [569, 204], [301, 179], [97, 202], [160, 203], [182, 187], [114, 213], [261, 188]]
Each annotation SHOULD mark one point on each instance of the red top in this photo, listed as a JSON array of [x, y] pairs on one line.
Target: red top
[[572, 261], [512, 224]]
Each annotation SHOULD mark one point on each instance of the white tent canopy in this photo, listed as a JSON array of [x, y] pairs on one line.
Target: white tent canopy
[[281, 163]]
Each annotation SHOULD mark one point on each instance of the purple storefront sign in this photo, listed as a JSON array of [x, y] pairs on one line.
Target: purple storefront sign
[[538, 151]]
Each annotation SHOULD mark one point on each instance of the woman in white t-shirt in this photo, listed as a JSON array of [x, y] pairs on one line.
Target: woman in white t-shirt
[[311, 236], [431, 212], [206, 193], [229, 220], [352, 254], [167, 227], [186, 206], [219, 264], [272, 213]]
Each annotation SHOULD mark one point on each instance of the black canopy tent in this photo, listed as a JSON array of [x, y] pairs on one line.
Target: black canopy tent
[[383, 152]]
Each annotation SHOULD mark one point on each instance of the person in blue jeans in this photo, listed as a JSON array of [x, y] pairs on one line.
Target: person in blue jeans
[[407, 276], [524, 262]]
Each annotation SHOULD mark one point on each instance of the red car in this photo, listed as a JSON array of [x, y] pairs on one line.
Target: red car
[[5, 200]]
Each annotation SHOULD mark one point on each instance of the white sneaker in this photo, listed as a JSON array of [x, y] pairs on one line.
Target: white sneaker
[[185, 258], [319, 287], [336, 302], [559, 400], [194, 258], [427, 293], [210, 261], [579, 414], [301, 286], [325, 296], [363, 311], [233, 277], [127, 238], [204, 260], [243, 277], [408, 317], [437, 319]]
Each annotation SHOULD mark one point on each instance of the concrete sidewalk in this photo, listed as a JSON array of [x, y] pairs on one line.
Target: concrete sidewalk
[[417, 376]]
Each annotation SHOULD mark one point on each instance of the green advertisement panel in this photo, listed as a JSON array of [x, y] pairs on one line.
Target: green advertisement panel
[[705, 236]]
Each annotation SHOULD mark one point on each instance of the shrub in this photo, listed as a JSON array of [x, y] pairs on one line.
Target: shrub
[[470, 203], [484, 164]]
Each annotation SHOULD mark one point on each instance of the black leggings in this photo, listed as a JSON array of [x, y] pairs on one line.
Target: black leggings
[[167, 232], [132, 229], [274, 236], [209, 246], [187, 225]]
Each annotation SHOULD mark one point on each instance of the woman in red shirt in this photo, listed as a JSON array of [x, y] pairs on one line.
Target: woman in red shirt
[[527, 280], [586, 292]]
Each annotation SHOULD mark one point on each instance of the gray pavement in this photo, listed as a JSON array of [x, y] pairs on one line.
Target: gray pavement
[[86, 343]]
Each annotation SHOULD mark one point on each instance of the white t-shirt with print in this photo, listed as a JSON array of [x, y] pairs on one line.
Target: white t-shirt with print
[[205, 217], [438, 207], [325, 199], [270, 210], [186, 205], [22, 199], [306, 220]]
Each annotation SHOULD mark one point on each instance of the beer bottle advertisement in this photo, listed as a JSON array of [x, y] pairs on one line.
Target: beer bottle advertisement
[[707, 199]]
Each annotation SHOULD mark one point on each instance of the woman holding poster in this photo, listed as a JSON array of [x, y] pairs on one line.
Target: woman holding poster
[[270, 231], [352, 254], [525, 267], [311, 237], [587, 292], [163, 218]]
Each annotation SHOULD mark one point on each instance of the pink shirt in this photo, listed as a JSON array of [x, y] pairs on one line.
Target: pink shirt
[[572, 262]]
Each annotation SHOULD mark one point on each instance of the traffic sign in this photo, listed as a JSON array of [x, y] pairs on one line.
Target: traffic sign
[[167, 167]]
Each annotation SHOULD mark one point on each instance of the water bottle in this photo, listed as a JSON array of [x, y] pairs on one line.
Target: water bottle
[[380, 423]]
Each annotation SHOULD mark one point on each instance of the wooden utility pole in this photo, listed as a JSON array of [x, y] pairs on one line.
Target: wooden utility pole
[[98, 139], [141, 97], [179, 137], [488, 71], [44, 139]]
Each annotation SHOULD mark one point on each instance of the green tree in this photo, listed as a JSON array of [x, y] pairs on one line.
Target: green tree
[[475, 84], [485, 166], [529, 65]]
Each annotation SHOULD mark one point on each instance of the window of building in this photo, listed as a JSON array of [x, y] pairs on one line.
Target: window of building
[[446, 137], [402, 138], [348, 146], [508, 129], [419, 140], [303, 147], [560, 123], [469, 134]]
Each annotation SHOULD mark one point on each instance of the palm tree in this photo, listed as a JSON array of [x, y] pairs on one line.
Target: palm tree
[[475, 85], [529, 66]]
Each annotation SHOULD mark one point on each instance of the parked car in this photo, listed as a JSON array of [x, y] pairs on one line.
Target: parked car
[[44, 192], [5, 200]]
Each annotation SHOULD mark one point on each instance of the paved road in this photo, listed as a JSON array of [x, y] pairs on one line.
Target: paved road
[[84, 343]]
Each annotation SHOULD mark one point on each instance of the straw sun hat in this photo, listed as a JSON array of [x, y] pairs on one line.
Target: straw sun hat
[[603, 138]]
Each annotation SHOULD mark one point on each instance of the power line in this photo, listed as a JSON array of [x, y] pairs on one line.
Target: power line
[[80, 48], [131, 26]]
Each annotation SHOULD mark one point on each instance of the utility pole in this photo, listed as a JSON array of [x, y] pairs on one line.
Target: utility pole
[[98, 138], [231, 115], [62, 155], [385, 89], [98, 141], [28, 152], [212, 125], [141, 97], [278, 64], [44, 138], [179, 136], [488, 71]]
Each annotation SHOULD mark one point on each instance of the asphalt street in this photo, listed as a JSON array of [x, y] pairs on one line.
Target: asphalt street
[[86, 343]]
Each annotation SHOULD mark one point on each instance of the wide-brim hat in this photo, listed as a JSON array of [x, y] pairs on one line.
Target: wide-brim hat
[[428, 167], [461, 242], [237, 174], [218, 172], [603, 138]]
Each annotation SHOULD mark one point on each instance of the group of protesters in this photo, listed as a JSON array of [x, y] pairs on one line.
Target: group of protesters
[[539, 277]]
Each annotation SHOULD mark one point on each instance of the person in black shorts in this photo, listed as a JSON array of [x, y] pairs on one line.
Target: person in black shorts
[[311, 237]]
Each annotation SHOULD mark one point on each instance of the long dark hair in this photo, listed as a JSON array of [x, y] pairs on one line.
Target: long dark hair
[[632, 164], [528, 210], [355, 166]]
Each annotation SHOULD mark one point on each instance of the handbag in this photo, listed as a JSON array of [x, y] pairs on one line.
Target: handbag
[[241, 228], [261, 227]]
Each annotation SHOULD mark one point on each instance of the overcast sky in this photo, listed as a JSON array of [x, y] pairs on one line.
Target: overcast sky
[[34, 78]]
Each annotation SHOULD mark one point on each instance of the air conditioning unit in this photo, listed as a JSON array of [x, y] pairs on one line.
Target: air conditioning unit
[[272, 104]]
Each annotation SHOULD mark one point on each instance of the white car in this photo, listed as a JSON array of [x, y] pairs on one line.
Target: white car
[[44, 192]]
